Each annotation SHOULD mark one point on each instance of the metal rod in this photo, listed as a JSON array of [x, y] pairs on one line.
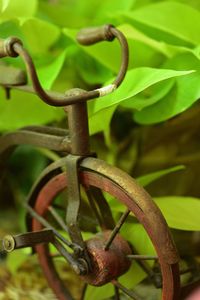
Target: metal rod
[[93, 206], [78, 129], [58, 218], [46, 224], [117, 296], [116, 229], [84, 291], [55, 100], [75, 264], [126, 291]]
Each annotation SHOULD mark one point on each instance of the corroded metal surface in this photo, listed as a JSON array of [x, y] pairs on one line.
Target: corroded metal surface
[[169, 269], [153, 219], [110, 263], [107, 265], [14, 47], [34, 138]]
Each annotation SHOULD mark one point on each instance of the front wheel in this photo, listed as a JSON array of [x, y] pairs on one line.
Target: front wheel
[[131, 207]]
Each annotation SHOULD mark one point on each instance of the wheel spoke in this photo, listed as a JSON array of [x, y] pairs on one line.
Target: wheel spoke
[[116, 229], [58, 218], [126, 291], [117, 296], [46, 224], [93, 206], [84, 291]]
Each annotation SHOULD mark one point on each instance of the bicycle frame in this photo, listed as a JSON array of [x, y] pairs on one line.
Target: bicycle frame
[[74, 144]]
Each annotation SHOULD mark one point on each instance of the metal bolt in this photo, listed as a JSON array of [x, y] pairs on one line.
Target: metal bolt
[[8, 243], [81, 268], [76, 269]]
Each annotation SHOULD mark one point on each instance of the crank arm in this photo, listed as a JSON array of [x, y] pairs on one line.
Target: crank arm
[[79, 265], [29, 239]]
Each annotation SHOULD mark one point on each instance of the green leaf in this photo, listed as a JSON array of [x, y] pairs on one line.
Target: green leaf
[[4, 4], [180, 98], [132, 33], [150, 96], [40, 35], [100, 51], [11, 9], [180, 212], [162, 16], [108, 8], [149, 178], [48, 74], [136, 81], [100, 121], [25, 109]]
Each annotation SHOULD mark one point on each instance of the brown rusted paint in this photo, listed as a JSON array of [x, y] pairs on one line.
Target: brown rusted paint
[[14, 47], [78, 129], [156, 225], [34, 138], [107, 265], [170, 271]]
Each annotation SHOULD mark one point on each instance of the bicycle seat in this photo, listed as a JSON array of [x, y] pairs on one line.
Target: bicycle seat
[[10, 76]]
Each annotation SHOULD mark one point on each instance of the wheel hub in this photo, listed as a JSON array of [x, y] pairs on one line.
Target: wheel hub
[[107, 264]]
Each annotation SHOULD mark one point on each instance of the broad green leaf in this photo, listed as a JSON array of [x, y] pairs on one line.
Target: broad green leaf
[[180, 212], [4, 4], [25, 109], [102, 52], [180, 98], [162, 16], [150, 96], [109, 7], [90, 70], [136, 81], [11, 9], [11, 28], [132, 33], [64, 15], [48, 74], [149, 178], [138, 237], [100, 120], [40, 35]]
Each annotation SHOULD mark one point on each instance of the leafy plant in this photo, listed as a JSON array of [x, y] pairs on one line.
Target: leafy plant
[[162, 82]]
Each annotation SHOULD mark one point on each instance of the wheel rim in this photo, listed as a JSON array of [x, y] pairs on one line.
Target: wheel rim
[[47, 195]]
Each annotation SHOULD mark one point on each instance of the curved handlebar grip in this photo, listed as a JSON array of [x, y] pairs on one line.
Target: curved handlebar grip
[[6, 46], [93, 35]]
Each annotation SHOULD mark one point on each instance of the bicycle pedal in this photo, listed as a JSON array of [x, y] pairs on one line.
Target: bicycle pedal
[[29, 239]]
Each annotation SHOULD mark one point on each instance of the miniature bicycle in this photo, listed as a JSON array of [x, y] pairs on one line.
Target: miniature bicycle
[[54, 214]]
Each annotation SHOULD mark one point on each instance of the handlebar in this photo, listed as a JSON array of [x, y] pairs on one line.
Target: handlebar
[[13, 47]]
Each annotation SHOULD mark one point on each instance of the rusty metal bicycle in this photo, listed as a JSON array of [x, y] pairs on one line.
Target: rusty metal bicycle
[[80, 177]]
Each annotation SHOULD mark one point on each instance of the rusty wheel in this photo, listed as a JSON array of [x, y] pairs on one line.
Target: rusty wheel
[[110, 253]]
